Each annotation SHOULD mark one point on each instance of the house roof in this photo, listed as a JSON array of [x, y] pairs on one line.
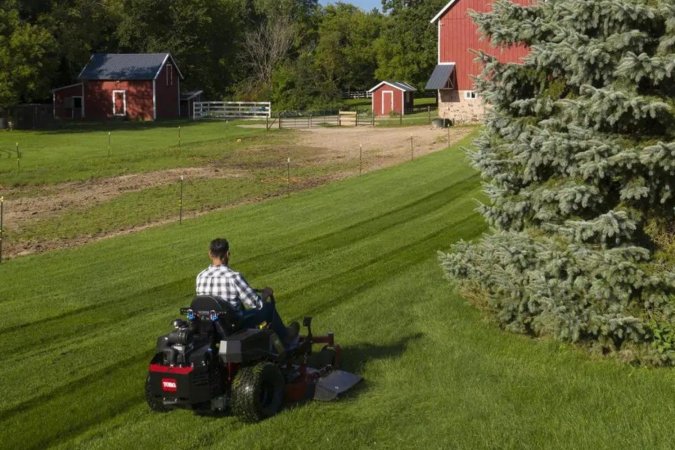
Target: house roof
[[443, 11], [440, 76], [405, 87], [125, 66]]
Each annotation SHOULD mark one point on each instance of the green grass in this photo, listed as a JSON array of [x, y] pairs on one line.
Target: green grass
[[82, 153], [78, 328], [265, 176]]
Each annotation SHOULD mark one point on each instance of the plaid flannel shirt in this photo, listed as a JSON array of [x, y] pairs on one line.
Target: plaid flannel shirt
[[223, 282]]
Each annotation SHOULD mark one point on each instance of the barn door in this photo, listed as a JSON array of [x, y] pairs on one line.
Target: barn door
[[119, 103], [387, 102]]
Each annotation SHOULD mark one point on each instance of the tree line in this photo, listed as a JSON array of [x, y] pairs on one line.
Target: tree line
[[296, 53]]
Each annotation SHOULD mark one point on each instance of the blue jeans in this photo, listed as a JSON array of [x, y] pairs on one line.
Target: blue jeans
[[253, 317]]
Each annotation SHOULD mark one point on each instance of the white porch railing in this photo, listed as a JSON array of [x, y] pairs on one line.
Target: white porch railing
[[232, 110]]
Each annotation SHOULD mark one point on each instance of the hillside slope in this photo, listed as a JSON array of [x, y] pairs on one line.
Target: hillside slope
[[78, 328]]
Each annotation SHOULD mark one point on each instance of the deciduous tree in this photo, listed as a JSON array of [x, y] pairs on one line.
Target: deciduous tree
[[25, 50], [406, 49], [345, 53]]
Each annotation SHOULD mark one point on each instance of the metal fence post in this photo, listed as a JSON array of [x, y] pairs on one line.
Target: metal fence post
[[18, 158], [108, 144], [180, 202], [2, 229], [429, 112], [288, 171]]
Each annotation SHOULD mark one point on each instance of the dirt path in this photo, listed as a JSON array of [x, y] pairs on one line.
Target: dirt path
[[54, 199], [385, 147]]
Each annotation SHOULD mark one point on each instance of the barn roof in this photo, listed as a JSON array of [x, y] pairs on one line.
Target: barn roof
[[125, 66], [443, 11], [405, 87]]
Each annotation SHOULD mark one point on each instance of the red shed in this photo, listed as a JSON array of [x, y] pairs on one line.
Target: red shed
[[143, 86], [457, 36], [392, 97]]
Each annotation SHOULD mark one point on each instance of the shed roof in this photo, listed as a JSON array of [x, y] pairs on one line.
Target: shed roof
[[405, 87], [189, 95], [125, 66], [440, 76], [66, 87]]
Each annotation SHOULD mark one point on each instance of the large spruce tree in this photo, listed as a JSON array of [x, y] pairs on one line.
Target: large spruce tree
[[578, 163]]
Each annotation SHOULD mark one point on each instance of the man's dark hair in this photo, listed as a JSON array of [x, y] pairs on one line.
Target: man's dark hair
[[219, 248]]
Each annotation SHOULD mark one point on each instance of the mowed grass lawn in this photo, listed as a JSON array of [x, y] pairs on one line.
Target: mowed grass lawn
[[96, 151], [78, 328]]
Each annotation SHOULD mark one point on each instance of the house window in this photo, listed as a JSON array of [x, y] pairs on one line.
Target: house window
[[169, 75], [470, 95]]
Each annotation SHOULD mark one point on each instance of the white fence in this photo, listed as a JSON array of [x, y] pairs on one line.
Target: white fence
[[232, 110], [357, 94]]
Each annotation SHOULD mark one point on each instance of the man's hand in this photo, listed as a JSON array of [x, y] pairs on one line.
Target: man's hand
[[266, 293]]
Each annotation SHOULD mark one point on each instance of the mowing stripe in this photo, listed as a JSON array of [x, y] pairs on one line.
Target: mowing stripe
[[325, 249]]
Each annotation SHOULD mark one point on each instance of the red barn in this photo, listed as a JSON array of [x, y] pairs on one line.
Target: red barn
[[392, 97], [452, 77], [137, 86]]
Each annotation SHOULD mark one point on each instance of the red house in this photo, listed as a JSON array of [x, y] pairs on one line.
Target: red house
[[137, 86], [392, 97], [453, 75]]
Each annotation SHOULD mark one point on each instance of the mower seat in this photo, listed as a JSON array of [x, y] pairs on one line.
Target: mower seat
[[204, 304]]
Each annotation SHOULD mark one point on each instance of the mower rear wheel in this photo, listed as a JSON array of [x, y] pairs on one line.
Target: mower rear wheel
[[154, 403], [257, 392]]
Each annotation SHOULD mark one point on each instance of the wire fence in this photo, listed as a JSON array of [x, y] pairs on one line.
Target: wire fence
[[294, 172], [361, 117]]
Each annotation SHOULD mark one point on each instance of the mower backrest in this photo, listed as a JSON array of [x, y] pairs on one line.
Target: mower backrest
[[204, 304]]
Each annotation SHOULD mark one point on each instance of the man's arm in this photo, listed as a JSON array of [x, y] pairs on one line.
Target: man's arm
[[249, 298]]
